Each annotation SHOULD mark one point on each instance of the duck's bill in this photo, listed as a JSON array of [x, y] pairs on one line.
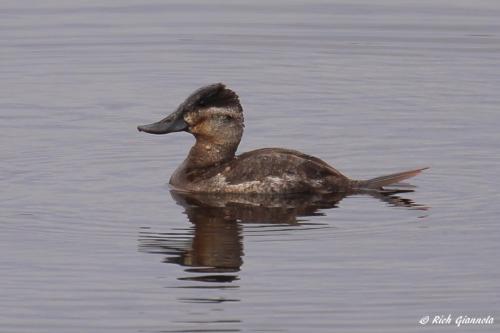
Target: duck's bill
[[173, 123]]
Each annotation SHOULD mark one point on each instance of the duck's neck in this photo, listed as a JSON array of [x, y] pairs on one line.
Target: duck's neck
[[216, 143], [208, 152]]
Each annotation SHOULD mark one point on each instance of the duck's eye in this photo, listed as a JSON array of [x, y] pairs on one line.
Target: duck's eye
[[227, 118]]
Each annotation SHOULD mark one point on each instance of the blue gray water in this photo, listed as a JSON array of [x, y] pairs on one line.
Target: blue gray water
[[91, 239]]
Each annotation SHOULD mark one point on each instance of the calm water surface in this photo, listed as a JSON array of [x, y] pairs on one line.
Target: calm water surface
[[92, 240]]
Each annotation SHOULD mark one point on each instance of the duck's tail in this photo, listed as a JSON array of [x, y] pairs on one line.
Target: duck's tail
[[379, 182]]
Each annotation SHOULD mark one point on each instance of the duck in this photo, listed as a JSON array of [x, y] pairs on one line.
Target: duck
[[214, 116]]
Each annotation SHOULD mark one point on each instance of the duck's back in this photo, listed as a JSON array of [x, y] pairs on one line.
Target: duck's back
[[268, 170]]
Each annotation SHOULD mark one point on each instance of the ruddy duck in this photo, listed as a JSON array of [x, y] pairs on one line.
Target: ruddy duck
[[213, 114]]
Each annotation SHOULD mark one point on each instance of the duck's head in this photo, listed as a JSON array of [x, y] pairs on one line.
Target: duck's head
[[212, 112]]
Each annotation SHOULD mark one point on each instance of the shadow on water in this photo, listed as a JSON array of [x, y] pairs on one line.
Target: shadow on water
[[213, 248]]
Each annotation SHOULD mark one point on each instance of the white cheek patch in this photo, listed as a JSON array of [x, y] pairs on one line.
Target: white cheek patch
[[217, 112], [188, 118]]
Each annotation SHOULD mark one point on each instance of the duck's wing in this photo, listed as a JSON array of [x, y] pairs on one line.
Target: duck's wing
[[282, 171]]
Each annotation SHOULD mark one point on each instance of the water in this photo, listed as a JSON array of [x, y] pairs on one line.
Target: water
[[92, 240]]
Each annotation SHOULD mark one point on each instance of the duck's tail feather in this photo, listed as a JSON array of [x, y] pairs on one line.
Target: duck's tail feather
[[380, 182]]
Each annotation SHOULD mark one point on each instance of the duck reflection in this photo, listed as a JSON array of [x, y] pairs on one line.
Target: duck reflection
[[214, 245]]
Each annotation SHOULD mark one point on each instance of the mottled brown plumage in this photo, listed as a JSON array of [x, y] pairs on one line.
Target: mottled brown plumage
[[213, 114]]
